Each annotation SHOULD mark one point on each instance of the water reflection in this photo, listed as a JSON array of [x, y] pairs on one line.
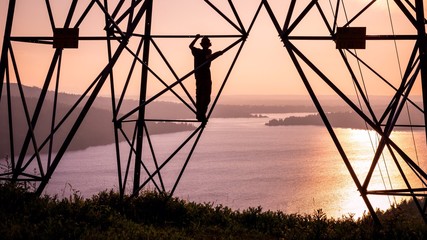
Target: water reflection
[[242, 163], [361, 145]]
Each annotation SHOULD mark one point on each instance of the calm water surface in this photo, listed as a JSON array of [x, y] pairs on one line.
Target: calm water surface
[[242, 163]]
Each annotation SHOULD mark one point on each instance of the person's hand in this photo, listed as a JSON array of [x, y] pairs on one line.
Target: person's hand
[[197, 36]]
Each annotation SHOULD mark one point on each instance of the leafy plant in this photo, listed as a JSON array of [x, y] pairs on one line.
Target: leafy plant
[[152, 215]]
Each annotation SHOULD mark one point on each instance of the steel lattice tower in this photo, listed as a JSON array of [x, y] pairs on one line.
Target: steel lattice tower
[[127, 33], [347, 41]]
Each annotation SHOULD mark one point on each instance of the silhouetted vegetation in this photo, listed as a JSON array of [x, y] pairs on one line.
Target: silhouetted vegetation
[[23, 215], [337, 119]]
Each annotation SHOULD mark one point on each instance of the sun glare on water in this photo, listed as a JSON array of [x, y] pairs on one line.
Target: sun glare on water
[[360, 147]]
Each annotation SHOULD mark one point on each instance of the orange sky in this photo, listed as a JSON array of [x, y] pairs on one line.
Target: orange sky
[[263, 67]]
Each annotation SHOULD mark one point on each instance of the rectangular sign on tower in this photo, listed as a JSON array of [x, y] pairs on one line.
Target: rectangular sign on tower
[[351, 38], [66, 38]]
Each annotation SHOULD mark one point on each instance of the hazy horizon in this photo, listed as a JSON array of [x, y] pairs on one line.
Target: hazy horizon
[[265, 99]]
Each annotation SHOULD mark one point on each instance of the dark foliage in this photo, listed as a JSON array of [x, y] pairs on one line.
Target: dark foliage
[[152, 215], [337, 119]]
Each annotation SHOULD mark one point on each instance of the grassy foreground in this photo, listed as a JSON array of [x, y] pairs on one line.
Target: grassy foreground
[[23, 215]]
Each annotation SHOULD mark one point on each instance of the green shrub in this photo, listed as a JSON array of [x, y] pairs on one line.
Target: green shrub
[[152, 215]]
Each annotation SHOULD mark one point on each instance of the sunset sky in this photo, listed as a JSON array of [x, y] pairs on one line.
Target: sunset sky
[[263, 67]]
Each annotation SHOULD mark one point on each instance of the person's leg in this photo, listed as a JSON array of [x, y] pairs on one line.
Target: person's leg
[[203, 99], [200, 108], [200, 114], [203, 96]]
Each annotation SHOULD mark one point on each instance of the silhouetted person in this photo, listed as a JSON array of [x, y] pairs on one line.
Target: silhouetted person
[[202, 59]]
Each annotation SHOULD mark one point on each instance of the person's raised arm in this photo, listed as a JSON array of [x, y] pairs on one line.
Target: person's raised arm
[[194, 41], [214, 55]]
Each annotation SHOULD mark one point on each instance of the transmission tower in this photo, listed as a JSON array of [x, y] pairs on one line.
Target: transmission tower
[[127, 34], [130, 40], [350, 42]]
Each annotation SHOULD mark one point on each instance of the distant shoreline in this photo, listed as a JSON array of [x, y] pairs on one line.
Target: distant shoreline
[[337, 119], [97, 127]]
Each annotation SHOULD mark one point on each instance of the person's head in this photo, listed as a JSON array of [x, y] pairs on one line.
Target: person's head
[[205, 43]]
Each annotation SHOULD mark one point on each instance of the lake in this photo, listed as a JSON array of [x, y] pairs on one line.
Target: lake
[[242, 163]]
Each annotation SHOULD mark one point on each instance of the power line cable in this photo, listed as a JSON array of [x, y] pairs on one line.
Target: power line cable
[[373, 145]]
